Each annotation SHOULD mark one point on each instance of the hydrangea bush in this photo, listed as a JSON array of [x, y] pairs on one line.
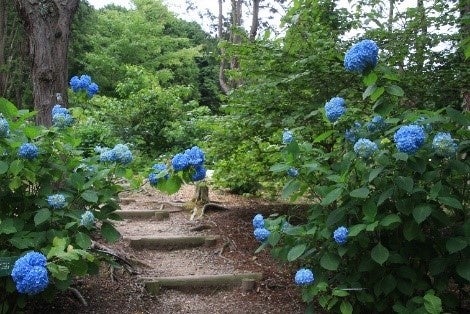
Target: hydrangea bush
[[388, 225], [53, 200]]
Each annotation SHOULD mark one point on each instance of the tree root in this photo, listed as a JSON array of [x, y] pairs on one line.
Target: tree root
[[78, 295]]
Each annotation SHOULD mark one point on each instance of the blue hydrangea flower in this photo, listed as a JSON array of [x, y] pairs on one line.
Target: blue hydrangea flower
[[87, 219], [56, 201], [335, 108], [292, 172], [30, 273], [341, 235], [261, 234], [92, 89], [352, 134], [107, 155], [362, 56], [122, 154], [85, 81], [195, 156], [153, 180], [258, 221], [286, 226], [365, 148], [376, 124], [304, 277], [287, 137], [75, 83], [200, 173], [28, 151], [409, 138], [159, 167], [444, 145], [4, 127], [180, 162]]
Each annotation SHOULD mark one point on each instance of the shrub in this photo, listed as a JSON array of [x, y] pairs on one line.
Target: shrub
[[388, 224], [53, 200]]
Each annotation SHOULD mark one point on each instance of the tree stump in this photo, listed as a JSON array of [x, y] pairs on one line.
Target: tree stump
[[201, 195]]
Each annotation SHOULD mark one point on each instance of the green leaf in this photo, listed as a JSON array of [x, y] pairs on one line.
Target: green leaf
[[421, 212], [450, 201], [463, 269], [3, 167], [395, 90], [374, 173], [370, 79], [384, 196], [360, 193], [335, 216], [7, 108], [458, 116], [432, 304], [329, 262], [58, 271], [290, 188], [369, 210], [411, 230], [356, 229], [323, 136], [279, 168], [31, 132], [16, 166], [405, 183], [332, 196], [8, 226], [83, 240], [340, 293], [369, 91], [170, 186], [109, 232], [437, 266], [296, 252], [456, 244], [42, 215], [90, 196], [377, 93], [380, 254], [435, 190], [390, 220]]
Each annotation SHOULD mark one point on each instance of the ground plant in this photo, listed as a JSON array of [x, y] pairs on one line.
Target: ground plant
[[388, 227], [55, 201]]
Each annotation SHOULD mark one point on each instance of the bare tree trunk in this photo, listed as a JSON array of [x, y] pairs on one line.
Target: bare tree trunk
[[422, 37], [255, 20], [390, 15], [3, 37], [223, 64], [47, 24], [235, 38]]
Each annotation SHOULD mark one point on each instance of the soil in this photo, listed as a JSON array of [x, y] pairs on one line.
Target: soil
[[118, 291]]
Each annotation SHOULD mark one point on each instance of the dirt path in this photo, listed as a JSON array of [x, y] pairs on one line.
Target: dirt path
[[233, 253]]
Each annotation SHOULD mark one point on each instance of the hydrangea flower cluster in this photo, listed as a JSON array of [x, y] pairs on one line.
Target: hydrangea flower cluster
[[30, 273], [4, 127], [409, 138], [352, 134], [361, 56], [28, 151], [191, 158], [376, 124], [258, 221], [61, 117], [153, 176], [335, 108], [260, 232], [56, 201], [292, 172], [444, 145], [365, 148], [87, 219], [341, 235], [287, 137], [120, 154], [304, 277], [84, 83]]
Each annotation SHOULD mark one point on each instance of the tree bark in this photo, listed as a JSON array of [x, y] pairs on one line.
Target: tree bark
[[254, 20], [223, 64], [47, 24], [422, 37]]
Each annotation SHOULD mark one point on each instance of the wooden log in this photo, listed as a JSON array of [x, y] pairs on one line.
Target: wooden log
[[143, 214], [154, 284], [172, 242]]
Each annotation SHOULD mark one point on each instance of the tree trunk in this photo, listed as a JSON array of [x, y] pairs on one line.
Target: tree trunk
[[3, 37], [390, 15], [422, 37], [223, 64], [254, 20], [47, 24]]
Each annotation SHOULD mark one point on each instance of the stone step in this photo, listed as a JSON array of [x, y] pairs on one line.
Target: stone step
[[154, 284], [143, 214], [171, 242]]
